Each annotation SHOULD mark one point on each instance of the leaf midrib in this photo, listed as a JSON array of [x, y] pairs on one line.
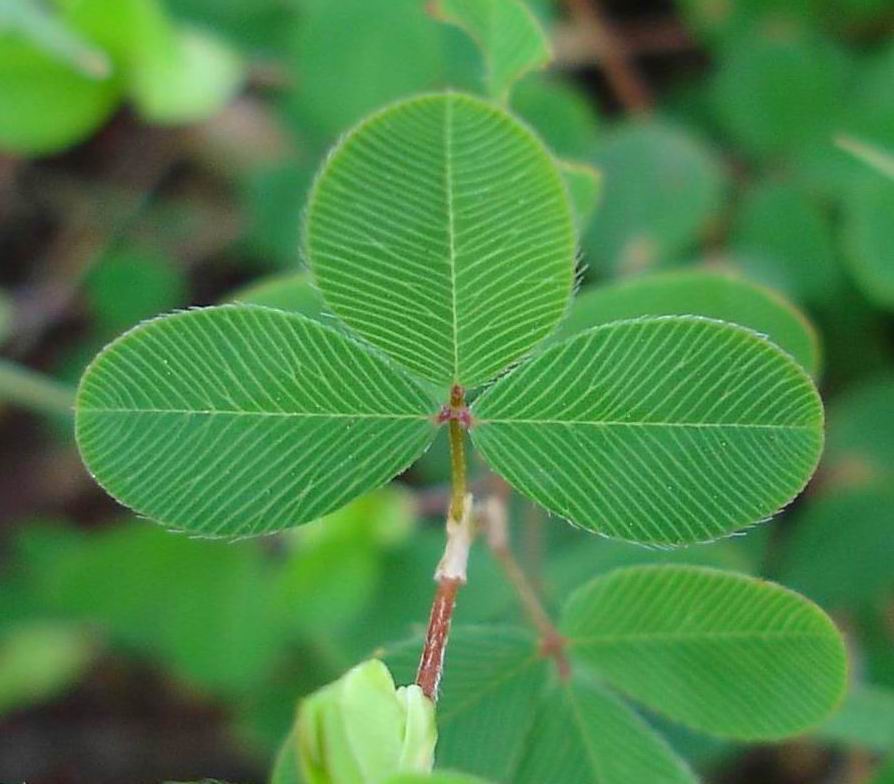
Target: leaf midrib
[[451, 228], [620, 423], [226, 412]]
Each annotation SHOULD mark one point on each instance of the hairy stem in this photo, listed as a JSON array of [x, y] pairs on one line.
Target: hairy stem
[[552, 643], [451, 571]]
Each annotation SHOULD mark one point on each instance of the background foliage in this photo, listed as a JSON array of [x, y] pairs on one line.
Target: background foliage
[[157, 155]]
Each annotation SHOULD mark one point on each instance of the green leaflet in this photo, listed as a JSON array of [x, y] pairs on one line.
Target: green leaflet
[[438, 777], [584, 184], [663, 431], [510, 37], [700, 293], [492, 683], [723, 653], [869, 233], [865, 719], [879, 158], [585, 735], [440, 230], [241, 420]]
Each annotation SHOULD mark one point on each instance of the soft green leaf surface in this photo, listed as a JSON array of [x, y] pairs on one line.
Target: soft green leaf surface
[[39, 661], [880, 159], [866, 719], [585, 735], [839, 552], [438, 777], [241, 420], [782, 238], [45, 105], [584, 184], [664, 431], [511, 39], [661, 187], [869, 231], [699, 293], [724, 653], [294, 292], [285, 768], [25, 387], [492, 682], [440, 230]]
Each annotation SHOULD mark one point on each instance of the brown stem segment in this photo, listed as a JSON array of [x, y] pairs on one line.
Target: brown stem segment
[[552, 643], [430, 666]]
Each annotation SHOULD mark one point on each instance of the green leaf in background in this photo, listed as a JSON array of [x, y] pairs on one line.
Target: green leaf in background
[[46, 31], [584, 184], [700, 293], [661, 187], [865, 719], [773, 94], [132, 284], [356, 55], [285, 768], [559, 111], [29, 389], [39, 661], [869, 235], [781, 237], [723, 653], [880, 159], [227, 421], [46, 105], [839, 552], [294, 292], [511, 39], [454, 268], [492, 682], [189, 81], [664, 431], [438, 777], [860, 440], [585, 735]]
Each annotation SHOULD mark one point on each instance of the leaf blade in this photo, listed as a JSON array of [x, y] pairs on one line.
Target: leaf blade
[[445, 264], [723, 653], [253, 388], [695, 428]]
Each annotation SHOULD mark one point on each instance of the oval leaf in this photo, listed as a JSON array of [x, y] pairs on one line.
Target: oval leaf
[[699, 293], [724, 653], [440, 230], [241, 420], [664, 431], [584, 734], [509, 36]]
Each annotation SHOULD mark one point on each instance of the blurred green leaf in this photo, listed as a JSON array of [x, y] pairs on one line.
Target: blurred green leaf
[[723, 653], [782, 238], [869, 234], [29, 389], [584, 184], [584, 734], [45, 105], [46, 31], [661, 187], [598, 429], [285, 768], [353, 56], [39, 661], [879, 159], [129, 285], [251, 387], [438, 777], [559, 111], [293, 292], [839, 553], [774, 93], [492, 682], [447, 266], [865, 719], [707, 293], [509, 35]]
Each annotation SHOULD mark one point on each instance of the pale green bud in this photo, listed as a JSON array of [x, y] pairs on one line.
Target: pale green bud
[[361, 729]]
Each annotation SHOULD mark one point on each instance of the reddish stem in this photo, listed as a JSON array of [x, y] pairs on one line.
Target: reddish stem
[[430, 666]]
